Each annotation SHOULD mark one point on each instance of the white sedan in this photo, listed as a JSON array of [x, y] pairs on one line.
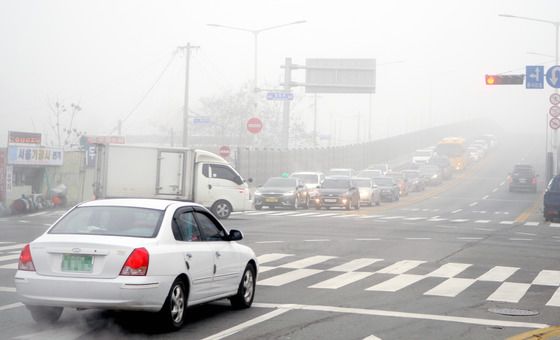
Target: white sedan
[[135, 254]]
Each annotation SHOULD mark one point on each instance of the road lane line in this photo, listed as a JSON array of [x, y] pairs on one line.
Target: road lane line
[[473, 204], [325, 215], [548, 278], [396, 283], [371, 337], [267, 242], [263, 269], [414, 218], [507, 222], [341, 280], [271, 257], [437, 219], [521, 239], [392, 217], [482, 221], [526, 234], [555, 299], [15, 246], [470, 238], [501, 184], [498, 274], [305, 214], [367, 239], [346, 216], [400, 267], [288, 277], [372, 216], [307, 262], [281, 213], [532, 224], [449, 270], [9, 257], [237, 212], [235, 329], [554, 225], [456, 211], [418, 238], [495, 190], [8, 289], [318, 240], [405, 315], [450, 287], [485, 197], [509, 292], [354, 265], [484, 229], [11, 306], [10, 266], [447, 226], [257, 213], [459, 220]]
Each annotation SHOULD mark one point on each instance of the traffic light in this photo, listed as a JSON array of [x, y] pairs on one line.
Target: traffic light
[[501, 79]]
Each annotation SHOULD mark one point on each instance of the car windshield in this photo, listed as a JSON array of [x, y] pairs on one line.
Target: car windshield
[[110, 221], [330, 183], [280, 183], [450, 150], [307, 178], [383, 181], [362, 183]]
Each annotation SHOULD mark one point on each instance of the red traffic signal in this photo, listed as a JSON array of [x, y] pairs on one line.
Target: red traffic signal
[[501, 79]]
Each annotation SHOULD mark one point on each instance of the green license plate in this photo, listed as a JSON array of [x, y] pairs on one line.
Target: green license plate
[[271, 200], [77, 263]]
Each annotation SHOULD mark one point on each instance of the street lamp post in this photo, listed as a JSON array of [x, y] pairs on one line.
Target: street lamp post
[[556, 25]]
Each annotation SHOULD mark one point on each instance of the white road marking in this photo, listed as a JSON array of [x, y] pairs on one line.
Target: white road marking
[[8, 289], [509, 292], [372, 337], [15, 246], [372, 216], [449, 270], [288, 277], [37, 214], [10, 266], [341, 280], [284, 213], [501, 184], [482, 221], [263, 269], [392, 217], [325, 215], [257, 213], [7, 242], [418, 238], [405, 315], [521, 239], [305, 214], [247, 324], [354, 265], [498, 274], [555, 299], [23, 221], [484, 229], [47, 224], [414, 218], [400, 267], [480, 211], [451, 287], [473, 204], [11, 306], [507, 222], [346, 216], [470, 238], [396, 283], [548, 278], [456, 211], [447, 226], [317, 240], [367, 239], [271, 257], [459, 220], [527, 234], [554, 225], [495, 190], [266, 242], [437, 219], [237, 212], [307, 262], [9, 257], [485, 197], [532, 224]]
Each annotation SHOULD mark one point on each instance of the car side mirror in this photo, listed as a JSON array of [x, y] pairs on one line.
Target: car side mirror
[[235, 235]]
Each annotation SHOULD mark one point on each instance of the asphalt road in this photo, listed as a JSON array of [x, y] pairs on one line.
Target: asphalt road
[[431, 266]]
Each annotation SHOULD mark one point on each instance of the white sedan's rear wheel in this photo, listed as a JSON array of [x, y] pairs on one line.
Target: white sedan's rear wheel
[[173, 310]]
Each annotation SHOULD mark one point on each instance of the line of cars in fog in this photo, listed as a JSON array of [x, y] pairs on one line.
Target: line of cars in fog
[[349, 189]]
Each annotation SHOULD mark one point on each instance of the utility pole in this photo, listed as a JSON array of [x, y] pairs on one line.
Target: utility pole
[[315, 120], [370, 118], [286, 104], [187, 50]]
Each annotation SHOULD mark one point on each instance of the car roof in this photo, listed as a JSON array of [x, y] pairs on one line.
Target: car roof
[[361, 178], [148, 203]]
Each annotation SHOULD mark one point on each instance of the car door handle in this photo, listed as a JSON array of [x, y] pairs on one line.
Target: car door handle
[[209, 186], [188, 256], [218, 254]]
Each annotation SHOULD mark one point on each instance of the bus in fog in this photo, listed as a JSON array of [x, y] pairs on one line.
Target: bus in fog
[[454, 149]]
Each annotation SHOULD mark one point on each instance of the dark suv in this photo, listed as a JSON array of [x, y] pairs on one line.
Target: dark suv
[[523, 177]]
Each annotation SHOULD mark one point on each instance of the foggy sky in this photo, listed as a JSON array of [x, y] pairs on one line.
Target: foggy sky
[[431, 55]]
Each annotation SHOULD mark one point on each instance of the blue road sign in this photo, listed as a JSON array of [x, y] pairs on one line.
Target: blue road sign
[[534, 77], [201, 120], [279, 96], [553, 76]]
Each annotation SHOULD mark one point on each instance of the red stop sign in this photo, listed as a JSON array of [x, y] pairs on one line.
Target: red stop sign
[[225, 151], [254, 125]]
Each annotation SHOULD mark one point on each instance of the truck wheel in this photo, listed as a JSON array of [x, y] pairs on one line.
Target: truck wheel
[[222, 209]]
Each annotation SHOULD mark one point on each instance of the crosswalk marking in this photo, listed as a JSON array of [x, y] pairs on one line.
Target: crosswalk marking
[[15, 246], [555, 225], [482, 221], [307, 262], [10, 266], [341, 280], [414, 218], [459, 220], [451, 287], [354, 265], [392, 217], [9, 257], [532, 224], [8, 289], [288, 277], [346, 216], [284, 213], [325, 215], [437, 219], [372, 216], [400, 267], [256, 213], [449, 270], [507, 222], [509, 292], [305, 214], [264, 269], [548, 278], [498, 274], [271, 257], [555, 299], [396, 283]]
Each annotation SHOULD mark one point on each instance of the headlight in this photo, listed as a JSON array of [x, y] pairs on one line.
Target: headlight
[[291, 193], [257, 193]]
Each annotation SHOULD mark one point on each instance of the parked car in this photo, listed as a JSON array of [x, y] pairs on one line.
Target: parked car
[[311, 180], [523, 178], [369, 192], [445, 166], [370, 173], [383, 167], [338, 191], [282, 192], [432, 174], [340, 172], [402, 182], [390, 190], [135, 254], [551, 204], [415, 181], [422, 156]]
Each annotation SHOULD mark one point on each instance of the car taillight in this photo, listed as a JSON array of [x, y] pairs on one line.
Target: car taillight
[[137, 263], [25, 260]]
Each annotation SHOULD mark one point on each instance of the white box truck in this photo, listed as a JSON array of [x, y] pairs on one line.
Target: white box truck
[[173, 173]]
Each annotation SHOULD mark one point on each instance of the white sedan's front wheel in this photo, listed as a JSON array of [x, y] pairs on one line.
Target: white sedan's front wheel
[[246, 291]]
